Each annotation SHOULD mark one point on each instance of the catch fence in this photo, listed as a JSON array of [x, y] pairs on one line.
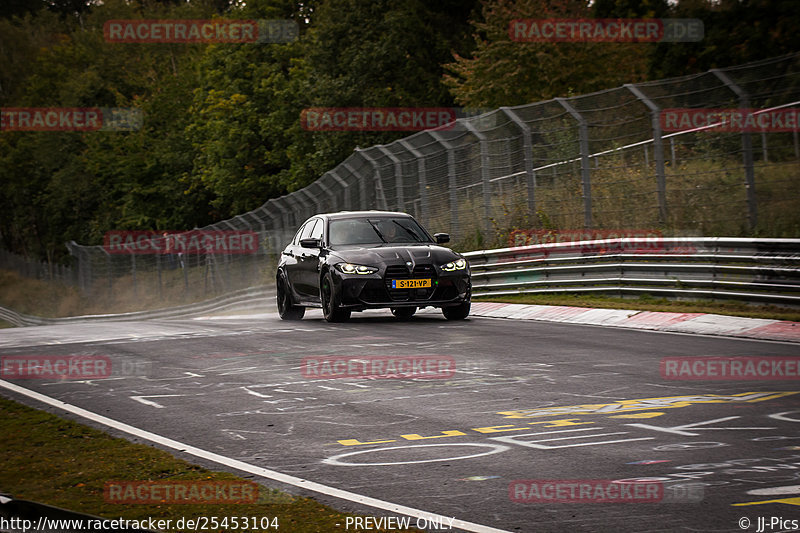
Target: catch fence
[[604, 161]]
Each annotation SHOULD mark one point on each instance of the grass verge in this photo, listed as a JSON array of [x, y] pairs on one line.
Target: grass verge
[[59, 462], [649, 303]]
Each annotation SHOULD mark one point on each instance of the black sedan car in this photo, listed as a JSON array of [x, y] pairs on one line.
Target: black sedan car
[[356, 260]]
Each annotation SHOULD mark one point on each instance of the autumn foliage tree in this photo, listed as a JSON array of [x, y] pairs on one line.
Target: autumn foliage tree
[[505, 72]]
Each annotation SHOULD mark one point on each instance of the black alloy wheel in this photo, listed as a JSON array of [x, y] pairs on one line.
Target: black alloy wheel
[[330, 301]]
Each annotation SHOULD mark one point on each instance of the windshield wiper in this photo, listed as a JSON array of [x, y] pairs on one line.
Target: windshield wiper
[[409, 231], [377, 231]]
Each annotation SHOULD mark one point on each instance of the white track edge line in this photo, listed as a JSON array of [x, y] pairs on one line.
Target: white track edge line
[[246, 467]]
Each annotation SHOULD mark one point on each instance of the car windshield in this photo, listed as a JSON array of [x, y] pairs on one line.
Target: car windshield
[[376, 231]]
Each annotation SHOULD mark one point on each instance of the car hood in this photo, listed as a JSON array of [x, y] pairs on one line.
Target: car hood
[[393, 255]]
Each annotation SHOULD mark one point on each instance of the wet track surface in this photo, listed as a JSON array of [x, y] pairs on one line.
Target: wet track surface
[[528, 401]]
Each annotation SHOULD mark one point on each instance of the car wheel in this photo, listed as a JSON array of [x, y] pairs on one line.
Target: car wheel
[[330, 301], [403, 313], [457, 312], [286, 309]]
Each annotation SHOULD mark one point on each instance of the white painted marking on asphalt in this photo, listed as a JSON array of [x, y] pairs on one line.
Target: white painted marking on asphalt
[[494, 448], [775, 491], [782, 416], [254, 393], [246, 467], [141, 399]]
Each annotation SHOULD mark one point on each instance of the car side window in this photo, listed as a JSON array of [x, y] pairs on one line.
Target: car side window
[[316, 233], [296, 239], [307, 229]]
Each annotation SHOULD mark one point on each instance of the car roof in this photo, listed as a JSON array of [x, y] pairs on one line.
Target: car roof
[[361, 214]]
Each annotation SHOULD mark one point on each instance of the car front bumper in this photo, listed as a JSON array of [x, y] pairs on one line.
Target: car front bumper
[[374, 291]]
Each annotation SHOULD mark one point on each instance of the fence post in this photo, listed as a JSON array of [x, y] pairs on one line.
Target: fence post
[[363, 201], [485, 178], [109, 275], [527, 151], [398, 178], [330, 194], [345, 186], [452, 184], [133, 269], [74, 251], [262, 230], [299, 206], [311, 198], [585, 169], [240, 258], [319, 197], [658, 150], [158, 268], [747, 148], [284, 214], [422, 179], [380, 195]]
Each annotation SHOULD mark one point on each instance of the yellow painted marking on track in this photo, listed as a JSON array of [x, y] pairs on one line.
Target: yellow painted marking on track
[[667, 402], [560, 423], [354, 442], [789, 501], [608, 409], [638, 415], [497, 429], [449, 433]]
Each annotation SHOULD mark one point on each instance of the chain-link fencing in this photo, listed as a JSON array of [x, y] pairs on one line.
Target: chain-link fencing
[[607, 161]]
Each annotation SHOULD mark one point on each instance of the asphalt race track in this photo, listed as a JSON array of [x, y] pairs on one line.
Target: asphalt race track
[[527, 401]]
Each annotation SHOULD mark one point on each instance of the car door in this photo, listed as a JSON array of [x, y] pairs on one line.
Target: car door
[[291, 259], [308, 261]]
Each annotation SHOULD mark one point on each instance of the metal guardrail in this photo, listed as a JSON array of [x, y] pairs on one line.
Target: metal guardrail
[[751, 270], [243, 299]]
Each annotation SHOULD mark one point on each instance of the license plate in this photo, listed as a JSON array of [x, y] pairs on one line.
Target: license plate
[[410, 283]]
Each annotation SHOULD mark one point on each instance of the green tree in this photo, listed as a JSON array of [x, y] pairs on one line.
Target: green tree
[[377, 54], [504, 72], [736, 32]]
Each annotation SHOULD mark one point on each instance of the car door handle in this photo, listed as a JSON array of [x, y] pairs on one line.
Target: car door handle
[[290, 254]]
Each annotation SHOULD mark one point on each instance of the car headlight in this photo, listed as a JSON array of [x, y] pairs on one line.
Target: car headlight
[[452, 266], [349, 268]]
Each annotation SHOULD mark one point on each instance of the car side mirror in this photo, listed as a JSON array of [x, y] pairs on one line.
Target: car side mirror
[[441, 238], [310, 243]]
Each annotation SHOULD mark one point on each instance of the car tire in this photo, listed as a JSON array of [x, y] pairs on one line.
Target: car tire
[[330, 301], [403, 313], [286, 308], [457, 312]]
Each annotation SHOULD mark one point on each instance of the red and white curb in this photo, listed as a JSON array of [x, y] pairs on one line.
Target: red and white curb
[[699, 323]]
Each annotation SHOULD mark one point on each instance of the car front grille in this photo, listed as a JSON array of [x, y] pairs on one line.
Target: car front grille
[[406, 295]]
